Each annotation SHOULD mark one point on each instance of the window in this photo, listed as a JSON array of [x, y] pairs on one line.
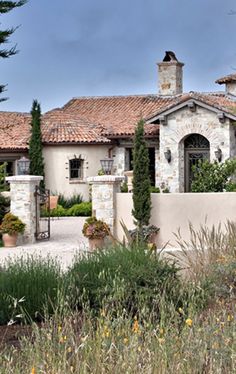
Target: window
[[76, 168]]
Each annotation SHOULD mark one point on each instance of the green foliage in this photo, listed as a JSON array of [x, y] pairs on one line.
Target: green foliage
[[141, 180], [35, 143], [69, 202], [4, 206], [133, 278], [95, 228], [59, 211], [124, 187], [5, 7], [37, 280], [81, 210], [11, 224], [154, 189], [2, 177], [213, 176]]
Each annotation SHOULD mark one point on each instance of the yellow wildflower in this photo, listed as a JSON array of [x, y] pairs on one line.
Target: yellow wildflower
[[189, 322], [125, 340], [180, 310], [135, 327], [230, 318], [161, 340], [59, 328], [33, 371], [69, 349]]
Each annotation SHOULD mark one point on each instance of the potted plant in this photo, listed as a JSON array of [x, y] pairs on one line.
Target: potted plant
[[148, 234], [10, 228], [95, 230]]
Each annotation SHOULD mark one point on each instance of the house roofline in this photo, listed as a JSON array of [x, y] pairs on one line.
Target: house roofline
[[198, 102]]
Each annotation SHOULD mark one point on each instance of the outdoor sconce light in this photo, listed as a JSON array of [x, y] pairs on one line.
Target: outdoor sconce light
[[167, 154], [107, 164], [23, 165], [218, 154]]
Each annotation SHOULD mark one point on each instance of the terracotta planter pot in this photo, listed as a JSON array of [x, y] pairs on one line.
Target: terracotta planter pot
[[9, 240], [97, 243]]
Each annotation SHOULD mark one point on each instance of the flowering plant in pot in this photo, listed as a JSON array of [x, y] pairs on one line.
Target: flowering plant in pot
[[95, 230], [147, 234], [10, 228]]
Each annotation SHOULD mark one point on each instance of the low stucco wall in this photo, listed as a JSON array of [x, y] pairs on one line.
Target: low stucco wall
[[175, 211]]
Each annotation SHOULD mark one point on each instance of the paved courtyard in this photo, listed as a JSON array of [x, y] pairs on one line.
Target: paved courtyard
[[66, 241]]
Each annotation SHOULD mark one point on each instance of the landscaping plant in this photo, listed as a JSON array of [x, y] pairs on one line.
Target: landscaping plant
[[35, 143], [213, 176]]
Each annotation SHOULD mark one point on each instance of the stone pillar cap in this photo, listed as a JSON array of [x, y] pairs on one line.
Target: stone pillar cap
[[24, 178], [105, 179]]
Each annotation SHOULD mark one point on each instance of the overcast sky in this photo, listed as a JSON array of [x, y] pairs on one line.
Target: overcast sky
[[71, 48]]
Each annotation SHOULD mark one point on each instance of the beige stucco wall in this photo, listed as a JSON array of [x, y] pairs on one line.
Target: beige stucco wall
[[173, 211], [57, 167]]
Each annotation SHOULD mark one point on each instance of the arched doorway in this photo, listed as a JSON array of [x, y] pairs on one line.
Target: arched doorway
[[196, 147]]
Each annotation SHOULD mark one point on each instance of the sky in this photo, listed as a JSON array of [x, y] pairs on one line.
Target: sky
[[72, 48]]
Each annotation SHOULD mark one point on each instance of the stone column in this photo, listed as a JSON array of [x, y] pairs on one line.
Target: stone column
[[23, 203], [104, 189]]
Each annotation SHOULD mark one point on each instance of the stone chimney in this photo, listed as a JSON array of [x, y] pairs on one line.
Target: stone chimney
[[230, 83], [170, 74]]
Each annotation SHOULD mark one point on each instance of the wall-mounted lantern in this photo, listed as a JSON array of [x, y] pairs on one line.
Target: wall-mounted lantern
[[218, 154], [23, 165], [107, 164], [167, 155]]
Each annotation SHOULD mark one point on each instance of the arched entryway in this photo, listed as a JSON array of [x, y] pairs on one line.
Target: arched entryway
[[196, 147]]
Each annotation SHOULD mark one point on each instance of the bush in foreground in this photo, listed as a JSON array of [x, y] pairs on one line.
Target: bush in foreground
[[133, 279], [33, 280]]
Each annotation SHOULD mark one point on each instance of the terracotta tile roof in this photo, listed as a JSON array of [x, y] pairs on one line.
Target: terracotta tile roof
[[14, 130], [119, 114], [98, 119], [61, 127], [227, 79]]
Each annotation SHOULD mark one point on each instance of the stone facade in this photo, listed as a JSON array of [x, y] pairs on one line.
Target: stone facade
[[23, 203], [119, 160], [182, 123], [170, 78], [104, 189]]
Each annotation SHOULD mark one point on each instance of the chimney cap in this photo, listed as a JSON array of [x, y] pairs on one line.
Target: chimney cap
[[170, 56]]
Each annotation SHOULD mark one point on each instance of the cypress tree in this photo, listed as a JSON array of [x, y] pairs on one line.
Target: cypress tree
[[5, 7], [141, 180], [35, 144]]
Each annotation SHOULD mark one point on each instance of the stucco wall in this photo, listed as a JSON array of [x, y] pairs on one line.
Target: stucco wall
[[180, 124], [57, 167], [173, 211]]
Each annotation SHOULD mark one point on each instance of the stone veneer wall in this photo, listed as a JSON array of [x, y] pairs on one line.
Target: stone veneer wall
[[104, 189], [119, 160], [180, 124], [23, 203]]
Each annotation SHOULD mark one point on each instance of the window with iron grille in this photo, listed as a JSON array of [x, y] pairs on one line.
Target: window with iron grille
[[76, 168]]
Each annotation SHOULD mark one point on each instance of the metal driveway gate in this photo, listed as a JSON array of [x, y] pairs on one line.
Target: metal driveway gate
[[42, 200]]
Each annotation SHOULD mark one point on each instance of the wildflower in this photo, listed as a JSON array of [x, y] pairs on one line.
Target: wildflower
[[59, 329], [139, 349], [161, 340], [69, 349], [135, 327], [230, 317], [180, 310], [162, 331], [125, 340], [62, 339], [33, 371], [189, 322]]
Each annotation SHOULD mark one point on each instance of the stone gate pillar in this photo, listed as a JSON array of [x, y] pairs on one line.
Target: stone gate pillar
[[23, 203], [104, 189]]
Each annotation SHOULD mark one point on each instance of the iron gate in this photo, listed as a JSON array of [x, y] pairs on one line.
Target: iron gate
[[42, 201]]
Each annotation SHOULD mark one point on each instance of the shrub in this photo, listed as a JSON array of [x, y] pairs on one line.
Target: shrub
[[69, 202], [124, 187], [11, 224], [4, 205], [130, 278], [34, 279], [82, 209], [154, 189], [59, 211], [213, 176]]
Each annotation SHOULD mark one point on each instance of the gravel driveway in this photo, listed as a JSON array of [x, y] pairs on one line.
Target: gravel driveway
[[66, 241]]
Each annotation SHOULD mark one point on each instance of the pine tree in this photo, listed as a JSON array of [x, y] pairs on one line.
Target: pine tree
[[141, 180], [35, 144], [5, 7]]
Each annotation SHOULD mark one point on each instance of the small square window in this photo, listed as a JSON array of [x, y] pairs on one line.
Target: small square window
[[76, 168]]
